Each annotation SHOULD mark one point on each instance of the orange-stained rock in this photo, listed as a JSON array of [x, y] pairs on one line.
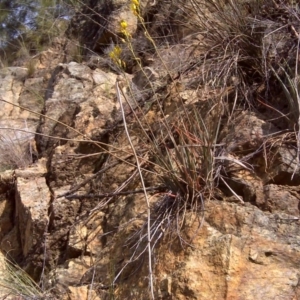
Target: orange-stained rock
[[32, 204], [81, 293]]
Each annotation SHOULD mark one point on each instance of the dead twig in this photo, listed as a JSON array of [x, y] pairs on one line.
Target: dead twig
[[78, 186], [154, 188], [145, 193]]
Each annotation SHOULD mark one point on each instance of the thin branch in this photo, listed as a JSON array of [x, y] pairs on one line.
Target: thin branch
[[78, 186], [154, 188], [296, 86], [144, 189]]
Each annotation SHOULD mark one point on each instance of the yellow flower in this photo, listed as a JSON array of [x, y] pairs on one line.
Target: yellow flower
[[124, 25], [115, 54], [135, 7], [124, 30]]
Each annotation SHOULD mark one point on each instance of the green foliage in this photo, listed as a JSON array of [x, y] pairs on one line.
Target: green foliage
[[27, 26], [15, 17]]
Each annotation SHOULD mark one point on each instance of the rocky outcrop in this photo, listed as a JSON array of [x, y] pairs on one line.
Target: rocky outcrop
[[238, 245], [72, 213], [32, 201], [242, 253]]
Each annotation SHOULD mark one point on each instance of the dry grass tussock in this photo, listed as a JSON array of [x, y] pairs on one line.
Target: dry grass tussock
[[15, 151], [17, 284]]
